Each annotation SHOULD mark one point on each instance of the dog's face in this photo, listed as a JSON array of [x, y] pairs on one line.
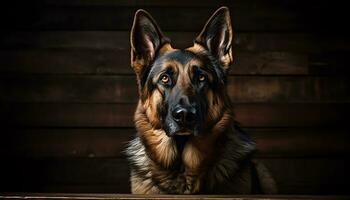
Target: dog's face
[[182, 80], [182, 91]]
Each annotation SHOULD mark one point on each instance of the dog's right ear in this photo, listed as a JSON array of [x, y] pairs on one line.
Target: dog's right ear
[[217, 37], [145, 38]]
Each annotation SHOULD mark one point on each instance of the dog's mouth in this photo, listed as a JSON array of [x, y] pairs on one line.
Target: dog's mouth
[[181, 131], [184, 132]]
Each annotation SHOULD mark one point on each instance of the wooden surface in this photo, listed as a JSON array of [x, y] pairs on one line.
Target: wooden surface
[[163, 197], [109, 142], [67, 92]]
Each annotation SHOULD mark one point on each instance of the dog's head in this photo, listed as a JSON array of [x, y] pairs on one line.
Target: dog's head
[[182, 92]]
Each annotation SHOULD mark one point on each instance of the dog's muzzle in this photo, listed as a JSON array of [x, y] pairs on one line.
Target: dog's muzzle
[[183, 120], [184, 116]]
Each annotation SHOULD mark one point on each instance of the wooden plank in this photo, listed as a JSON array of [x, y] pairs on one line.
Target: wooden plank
[[293, 176], [80, 143], [109, 143], [106, 61], [169, 18], [270, 63], [72, 175], [310, 176], [119, 40], [329, 63], [288, 89], [121, 115], [305, 142], [247, 16], [99, 89], [90, 196], [65, 61], [115, 61], [123, 89]]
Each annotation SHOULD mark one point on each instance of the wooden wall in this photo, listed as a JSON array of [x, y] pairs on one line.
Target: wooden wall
[[67, 92]]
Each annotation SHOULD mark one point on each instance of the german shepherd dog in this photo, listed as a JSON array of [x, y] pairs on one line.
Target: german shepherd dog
[[187, 139]]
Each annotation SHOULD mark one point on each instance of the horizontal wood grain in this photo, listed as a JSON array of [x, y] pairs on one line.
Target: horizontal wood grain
[[115, 61], [119, 40], [247, 16], [104, 143], [123, 89], [302, 176], [328, 64], [121, 115], [69, 175], [77, 17], [309, 176]]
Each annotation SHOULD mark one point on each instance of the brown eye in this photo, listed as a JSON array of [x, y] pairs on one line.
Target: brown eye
[[165, 78], [201, 78]]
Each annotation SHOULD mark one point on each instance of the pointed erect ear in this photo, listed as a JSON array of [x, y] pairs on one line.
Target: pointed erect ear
[[217, 36], [145, 38]]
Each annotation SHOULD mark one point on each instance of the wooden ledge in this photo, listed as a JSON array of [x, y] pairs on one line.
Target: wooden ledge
[[163, 197]]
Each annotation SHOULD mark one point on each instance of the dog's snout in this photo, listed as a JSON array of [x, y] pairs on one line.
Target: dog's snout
[[184, 115]]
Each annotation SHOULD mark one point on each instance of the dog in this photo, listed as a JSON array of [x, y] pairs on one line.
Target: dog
[[187, 140]]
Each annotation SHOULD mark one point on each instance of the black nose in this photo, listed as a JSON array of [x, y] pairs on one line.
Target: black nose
[[184, 116]]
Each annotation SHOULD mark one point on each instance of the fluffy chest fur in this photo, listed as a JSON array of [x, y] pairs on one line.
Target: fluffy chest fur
[[222, 167]]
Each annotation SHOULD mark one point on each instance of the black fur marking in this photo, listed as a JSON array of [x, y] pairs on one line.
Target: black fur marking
[[180, 141]]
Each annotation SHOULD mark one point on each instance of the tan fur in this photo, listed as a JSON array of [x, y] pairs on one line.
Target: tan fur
[[196, 48], [227, 59], [215, 107], [139, 186], [166, 48], [192, 157], [150, 107], [162, 148]]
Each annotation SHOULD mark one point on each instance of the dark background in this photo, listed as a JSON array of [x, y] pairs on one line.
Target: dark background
[[67, 92]]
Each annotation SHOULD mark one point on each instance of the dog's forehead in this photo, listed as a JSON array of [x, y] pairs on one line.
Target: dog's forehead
[[181, 57]]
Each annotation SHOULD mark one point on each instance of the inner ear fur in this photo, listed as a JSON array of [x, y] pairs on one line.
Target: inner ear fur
[[217, 37]]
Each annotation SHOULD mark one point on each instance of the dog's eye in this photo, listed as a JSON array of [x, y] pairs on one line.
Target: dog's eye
[[201, 77], [164, 78]]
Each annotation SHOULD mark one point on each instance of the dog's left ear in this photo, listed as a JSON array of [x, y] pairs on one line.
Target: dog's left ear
[[217, 36]]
